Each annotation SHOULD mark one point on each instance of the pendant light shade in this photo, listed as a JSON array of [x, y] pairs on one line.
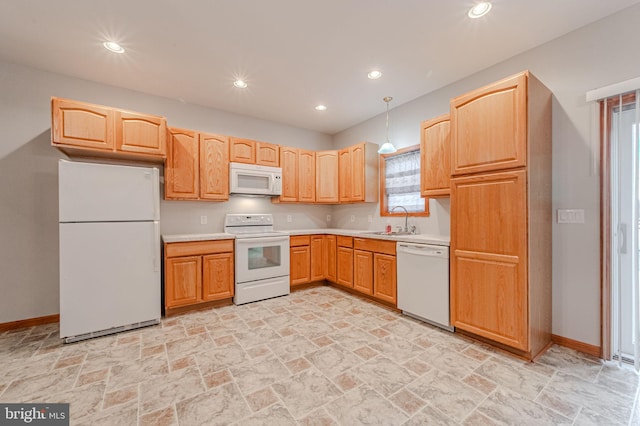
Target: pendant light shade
[[387, 147]]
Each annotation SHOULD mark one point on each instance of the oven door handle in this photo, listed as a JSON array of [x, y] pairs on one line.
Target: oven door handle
[[261, 240]]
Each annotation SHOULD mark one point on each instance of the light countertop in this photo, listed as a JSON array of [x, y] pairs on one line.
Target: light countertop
[[419, 238], [180, 238]]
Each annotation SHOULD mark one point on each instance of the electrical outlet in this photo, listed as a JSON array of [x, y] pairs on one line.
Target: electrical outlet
[[370, 218], [328, 218], [203, 220], [353, 218], [289, 219]]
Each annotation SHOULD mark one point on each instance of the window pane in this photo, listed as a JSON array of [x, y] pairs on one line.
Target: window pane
[[402, 182]]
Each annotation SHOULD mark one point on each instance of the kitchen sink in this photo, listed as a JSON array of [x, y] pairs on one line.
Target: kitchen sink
[[388, 233]]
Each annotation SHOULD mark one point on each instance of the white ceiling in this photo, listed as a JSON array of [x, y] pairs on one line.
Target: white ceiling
[[294, 54]]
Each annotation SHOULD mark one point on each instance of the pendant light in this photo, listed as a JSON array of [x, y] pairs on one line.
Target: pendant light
[[387, 147]]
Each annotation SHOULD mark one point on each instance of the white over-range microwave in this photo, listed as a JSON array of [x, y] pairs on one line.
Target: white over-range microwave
[[251, 179]]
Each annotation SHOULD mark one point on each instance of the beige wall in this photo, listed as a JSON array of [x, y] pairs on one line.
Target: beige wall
[[597, 55]]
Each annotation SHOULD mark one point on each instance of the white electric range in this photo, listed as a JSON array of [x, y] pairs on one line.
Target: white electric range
[[261, 257]]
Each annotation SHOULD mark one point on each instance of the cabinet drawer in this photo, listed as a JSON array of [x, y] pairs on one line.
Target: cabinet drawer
[[192, 248], [345, 241], [378, 246], [299, 240]]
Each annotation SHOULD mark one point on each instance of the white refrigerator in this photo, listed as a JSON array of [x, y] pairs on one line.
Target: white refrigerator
[[109, 248]]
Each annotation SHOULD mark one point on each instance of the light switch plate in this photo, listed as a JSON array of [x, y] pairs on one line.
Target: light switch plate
[[289, 218], [353, 218], [328, 218], [203, 220], [570, 216]]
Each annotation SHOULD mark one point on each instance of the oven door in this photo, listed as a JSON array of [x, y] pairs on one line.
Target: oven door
[[261, 257]]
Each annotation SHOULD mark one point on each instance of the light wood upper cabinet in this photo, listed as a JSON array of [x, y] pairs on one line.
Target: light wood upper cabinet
[[489, 271], [83, 129], [140, 133], [344, 175], [267, 154], [182, 166], [197, 166], [198, 272], [214, 167], [435, 157], [327, 176], [489, 127], [83, 125], [306, 176], [289, 165], [242, 151], [358, 173]]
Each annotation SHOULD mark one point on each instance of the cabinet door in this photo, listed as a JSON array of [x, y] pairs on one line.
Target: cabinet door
[[384, 277], [181, 173], [345, 266], [306, 176], [363, 271], [182, 281], [82, 125], [267, 154], [329, 255], [289, 164], [140, 133], [242, 151], [489, 127], [435, 157], [488, 274], [327, 176], [357, 173], [214, 167], [344, 175], [317, 258], [217, 276], [300, 259]]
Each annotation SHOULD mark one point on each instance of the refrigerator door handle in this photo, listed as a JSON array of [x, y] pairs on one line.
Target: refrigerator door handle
[[156, 194], [154, 246]]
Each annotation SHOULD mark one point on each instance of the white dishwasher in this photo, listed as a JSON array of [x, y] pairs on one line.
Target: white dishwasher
[[423, 282]]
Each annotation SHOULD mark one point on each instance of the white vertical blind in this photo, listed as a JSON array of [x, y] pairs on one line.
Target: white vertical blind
[[622, 123], [402, 181]]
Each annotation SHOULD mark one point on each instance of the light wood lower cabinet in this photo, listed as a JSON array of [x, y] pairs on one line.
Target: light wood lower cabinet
[[384, 277], [363, 271], [330, 257], [197, 272], [374, 268], [300, 260], [344, 260], [306, 256]]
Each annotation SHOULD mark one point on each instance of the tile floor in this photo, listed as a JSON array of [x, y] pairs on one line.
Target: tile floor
[[317, 357]]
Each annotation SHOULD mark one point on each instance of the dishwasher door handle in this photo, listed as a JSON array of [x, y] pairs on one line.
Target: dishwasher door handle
[[420, 252]]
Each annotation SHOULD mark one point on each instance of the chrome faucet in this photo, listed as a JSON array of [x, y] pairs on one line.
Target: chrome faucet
[[406, 217]]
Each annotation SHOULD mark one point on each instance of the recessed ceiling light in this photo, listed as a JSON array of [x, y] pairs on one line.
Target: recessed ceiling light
[[113, 47], [320, 108], [479, 10], [374, 75], [240, 84]]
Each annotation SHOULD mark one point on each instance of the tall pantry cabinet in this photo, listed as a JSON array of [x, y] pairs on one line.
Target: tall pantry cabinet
[[501, 214]]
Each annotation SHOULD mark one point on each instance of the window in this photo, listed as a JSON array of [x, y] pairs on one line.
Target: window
[[400, 183]]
